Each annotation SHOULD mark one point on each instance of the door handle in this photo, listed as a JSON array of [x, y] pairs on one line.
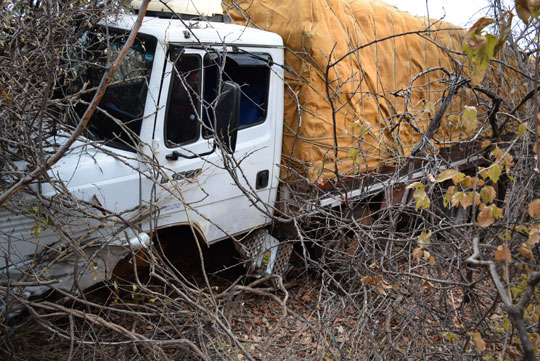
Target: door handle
[[262, 179]]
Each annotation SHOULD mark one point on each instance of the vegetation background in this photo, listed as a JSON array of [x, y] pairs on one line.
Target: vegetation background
[[449, 272]]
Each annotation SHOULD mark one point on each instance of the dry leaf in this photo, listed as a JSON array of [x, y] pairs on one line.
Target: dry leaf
[[488, 215], [479, 342], [417, 253], [534, 209], [523, 10], [486, 143], [367, 279], [534, 236], [525, 251], [503, 254], [458, 323]]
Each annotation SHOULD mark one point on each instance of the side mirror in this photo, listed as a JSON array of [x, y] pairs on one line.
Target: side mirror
[[227, 114], [226, 123]]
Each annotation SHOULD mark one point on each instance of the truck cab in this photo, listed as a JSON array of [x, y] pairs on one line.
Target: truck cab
[[188, 134], [219, 191]]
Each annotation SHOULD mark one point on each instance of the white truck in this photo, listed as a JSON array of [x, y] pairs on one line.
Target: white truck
[[188, 136], [180, 74]]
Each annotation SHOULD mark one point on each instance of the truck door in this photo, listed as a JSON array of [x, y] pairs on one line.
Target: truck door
[[196, 186]]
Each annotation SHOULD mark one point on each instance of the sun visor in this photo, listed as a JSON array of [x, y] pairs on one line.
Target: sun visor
[[244, 59]]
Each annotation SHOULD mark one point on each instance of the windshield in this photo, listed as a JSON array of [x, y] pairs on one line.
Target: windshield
[[117, 121]]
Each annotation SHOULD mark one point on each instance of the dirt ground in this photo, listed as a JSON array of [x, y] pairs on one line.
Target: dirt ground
[[315, 316]]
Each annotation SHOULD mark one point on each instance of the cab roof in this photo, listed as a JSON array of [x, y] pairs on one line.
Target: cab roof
[[174, 30]]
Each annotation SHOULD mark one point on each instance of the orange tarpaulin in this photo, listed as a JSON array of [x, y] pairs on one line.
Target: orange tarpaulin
[[367, 92]]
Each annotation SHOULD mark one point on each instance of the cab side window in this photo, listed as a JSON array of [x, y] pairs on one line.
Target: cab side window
[[182, 120], [250, 72]]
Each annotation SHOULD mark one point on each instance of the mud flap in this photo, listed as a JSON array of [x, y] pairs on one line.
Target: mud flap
[[265, 254]]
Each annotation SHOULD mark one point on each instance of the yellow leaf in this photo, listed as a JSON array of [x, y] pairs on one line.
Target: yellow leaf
[[419, 195], [505, 235], [469, 119], [456, 198], [458, 178], [450, 336], [497, 212], [488, 194], [446, 175], [36, 230], [497, 153], [486, 143], [522, 129], [415, 185], [424, 240], [502, 254], [534, 209], [469, 182], [479, 342], [493, 172], [448, 196]]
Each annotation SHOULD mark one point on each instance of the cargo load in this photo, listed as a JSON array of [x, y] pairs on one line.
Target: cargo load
[[364, 81]]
